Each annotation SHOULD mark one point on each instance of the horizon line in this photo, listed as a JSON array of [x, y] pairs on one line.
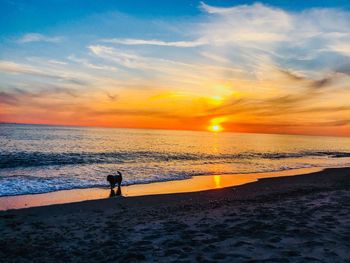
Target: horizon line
[[164, 129]]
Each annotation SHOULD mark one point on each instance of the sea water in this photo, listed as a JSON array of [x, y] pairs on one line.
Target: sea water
[[39, 158]]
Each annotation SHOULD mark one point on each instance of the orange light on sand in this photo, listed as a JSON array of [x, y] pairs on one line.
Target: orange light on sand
[[217, 181]]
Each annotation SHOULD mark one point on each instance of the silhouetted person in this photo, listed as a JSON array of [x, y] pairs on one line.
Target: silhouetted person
[[115, 179]]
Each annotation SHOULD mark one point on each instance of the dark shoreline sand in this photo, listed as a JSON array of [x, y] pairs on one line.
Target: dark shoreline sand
[[303, 218]]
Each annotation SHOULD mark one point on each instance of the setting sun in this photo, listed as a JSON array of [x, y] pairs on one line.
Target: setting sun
[[215, 128]]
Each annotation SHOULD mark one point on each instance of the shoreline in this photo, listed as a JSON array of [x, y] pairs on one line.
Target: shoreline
[[193, 184], [301, 218]]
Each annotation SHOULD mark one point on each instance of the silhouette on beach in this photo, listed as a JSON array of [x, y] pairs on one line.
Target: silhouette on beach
[[115, 180], [114, 193], [119, 191]]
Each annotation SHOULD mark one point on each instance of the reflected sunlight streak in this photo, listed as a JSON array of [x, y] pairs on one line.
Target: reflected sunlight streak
[[217, 181]]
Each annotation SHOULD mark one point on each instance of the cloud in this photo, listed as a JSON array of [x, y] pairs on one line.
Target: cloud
[[36, 37], [127, 112], [322, 83], [214, 10], [342, 48], [245, 24], [13, 67], [309, 41], [112, 97], [7, 98], [292, 75], [88, 64], [127, 59], [304, 96], [316, 84], [150, 65], [154, 42], [56, 62], [19, 68], [20, 96]]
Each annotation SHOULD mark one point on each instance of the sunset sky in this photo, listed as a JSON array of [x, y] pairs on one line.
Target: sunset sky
[[241, 66]]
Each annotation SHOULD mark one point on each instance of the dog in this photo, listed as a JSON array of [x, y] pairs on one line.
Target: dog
[[115, 179]]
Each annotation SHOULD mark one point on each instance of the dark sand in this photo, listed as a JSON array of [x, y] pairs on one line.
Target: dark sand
[[304, 218]]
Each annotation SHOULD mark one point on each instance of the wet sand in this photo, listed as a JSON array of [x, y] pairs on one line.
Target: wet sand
[[194, 184], [303, 218]]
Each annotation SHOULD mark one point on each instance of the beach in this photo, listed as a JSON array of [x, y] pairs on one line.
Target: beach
[[302, 218], [174, 131]]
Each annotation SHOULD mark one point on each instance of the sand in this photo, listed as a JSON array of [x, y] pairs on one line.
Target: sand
[[303, 218]]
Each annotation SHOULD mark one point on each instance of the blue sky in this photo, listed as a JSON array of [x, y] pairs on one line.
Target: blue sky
[[35, 15], [268, 66]]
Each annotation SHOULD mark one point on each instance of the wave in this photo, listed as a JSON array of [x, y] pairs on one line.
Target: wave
[[27, 184], [21, 185], [32, 159]]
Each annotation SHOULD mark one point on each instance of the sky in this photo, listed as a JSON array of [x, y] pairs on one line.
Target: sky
[[236, 66]]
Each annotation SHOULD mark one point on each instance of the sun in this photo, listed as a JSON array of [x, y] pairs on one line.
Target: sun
[[215, 128]]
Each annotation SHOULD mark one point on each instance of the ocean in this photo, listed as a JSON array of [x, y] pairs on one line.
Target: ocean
[[40, 158]]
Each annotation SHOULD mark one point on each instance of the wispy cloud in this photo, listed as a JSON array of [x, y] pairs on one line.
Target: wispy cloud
[[57, 62], [7, 98], [20, 68], [86, 63], [342, 48], [36, 37], [215, 10], [154, 42], [19, 96], [124, 58], [12, 67]]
